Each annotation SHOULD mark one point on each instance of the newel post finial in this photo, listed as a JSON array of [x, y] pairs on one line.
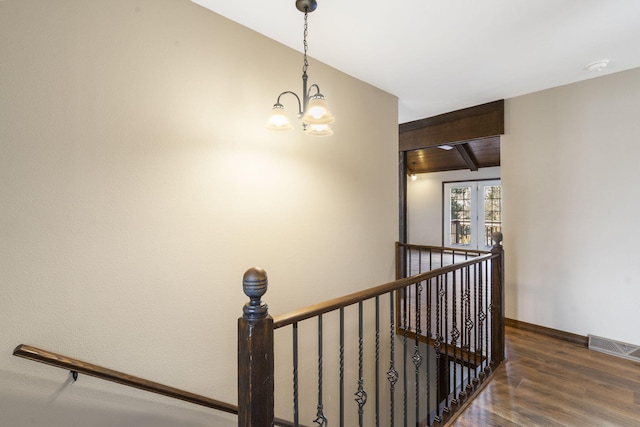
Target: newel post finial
[[496, 237], [255, 284]]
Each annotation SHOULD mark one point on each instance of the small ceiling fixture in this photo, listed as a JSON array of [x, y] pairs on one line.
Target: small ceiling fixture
[[597, 65], [413, 172], [312, 109]]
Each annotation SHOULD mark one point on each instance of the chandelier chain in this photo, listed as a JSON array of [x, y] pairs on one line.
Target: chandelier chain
[[304, 43]]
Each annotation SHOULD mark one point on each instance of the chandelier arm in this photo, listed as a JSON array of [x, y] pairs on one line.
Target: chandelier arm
[[311, 87], [297, 98]]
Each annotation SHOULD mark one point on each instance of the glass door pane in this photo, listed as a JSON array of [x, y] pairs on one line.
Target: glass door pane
[[490, 217], [472, 213]]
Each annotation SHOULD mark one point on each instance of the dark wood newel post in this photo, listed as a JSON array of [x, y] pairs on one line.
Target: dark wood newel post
[[255, 355], [497, 301]]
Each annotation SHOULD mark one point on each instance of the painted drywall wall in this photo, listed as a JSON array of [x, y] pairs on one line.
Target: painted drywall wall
[[569, 162], [424, 202], [138, 184]]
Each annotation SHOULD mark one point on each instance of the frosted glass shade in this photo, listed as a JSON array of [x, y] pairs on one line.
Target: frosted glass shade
[[318, 130], [317, 112], [278, 119]]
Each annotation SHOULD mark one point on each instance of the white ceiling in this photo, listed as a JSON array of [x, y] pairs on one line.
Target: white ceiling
[[438, 56]]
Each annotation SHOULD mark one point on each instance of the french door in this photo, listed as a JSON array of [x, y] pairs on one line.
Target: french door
[[472, 212]]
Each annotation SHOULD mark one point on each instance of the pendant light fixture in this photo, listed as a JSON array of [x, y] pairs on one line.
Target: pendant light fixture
[[312, 109]]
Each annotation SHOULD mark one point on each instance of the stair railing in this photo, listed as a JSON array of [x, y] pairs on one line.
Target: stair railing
[[444, 335], [77, 367]]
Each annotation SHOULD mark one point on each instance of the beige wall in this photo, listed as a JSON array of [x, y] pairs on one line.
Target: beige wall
[[138, 185], [569, 169], [570, 181]]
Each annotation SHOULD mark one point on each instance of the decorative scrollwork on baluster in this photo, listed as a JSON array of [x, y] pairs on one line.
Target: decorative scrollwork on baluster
[[417, 358], [392, 376], [361, 396], [468, 323], [321, 420], [455, 334]]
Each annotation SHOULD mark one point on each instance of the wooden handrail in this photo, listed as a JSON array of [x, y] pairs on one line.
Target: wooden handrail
[[444, 249], [345, 301], [75, 365]]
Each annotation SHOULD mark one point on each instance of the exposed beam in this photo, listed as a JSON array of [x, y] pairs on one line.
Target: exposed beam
[[472, 123], [467, 156]]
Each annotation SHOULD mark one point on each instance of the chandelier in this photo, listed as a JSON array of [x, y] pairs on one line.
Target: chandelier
[[313, 110]]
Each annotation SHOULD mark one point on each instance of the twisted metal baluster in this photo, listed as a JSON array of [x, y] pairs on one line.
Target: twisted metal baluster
[[447, 369], [417, 357], [482, 316], [405, 337], [295, 375], [361, 394], [476, 286], [455, 334], [410, 260], [469, 324], [436, 346], [341, 367], [392, 373], [321, 420], [428, 336], [377, 361], [430, 259]]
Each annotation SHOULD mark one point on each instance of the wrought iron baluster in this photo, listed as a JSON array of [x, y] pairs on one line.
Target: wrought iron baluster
[[377, 361], [430, 259], [477, 272], [437, 343], [361, 394], [392, 373], [447, 367], [468, 325], [464, 342], [455, 334], [429, 335], [481, 319], [295, 375], [417, 357], [341, 367], [405, 337], [321, 420]]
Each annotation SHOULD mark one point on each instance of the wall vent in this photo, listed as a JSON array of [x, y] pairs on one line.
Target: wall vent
[[615, 348]]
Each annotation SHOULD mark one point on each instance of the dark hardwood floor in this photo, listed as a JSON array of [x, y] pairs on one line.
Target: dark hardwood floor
[[550, 382]]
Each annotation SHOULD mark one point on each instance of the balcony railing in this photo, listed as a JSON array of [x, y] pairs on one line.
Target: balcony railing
[[407, 352]]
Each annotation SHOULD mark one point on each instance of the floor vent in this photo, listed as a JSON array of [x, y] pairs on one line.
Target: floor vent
[[615, 348]]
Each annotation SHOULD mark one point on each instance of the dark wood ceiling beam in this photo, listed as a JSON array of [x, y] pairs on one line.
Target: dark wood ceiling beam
[[467, 156], [481, 121]]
